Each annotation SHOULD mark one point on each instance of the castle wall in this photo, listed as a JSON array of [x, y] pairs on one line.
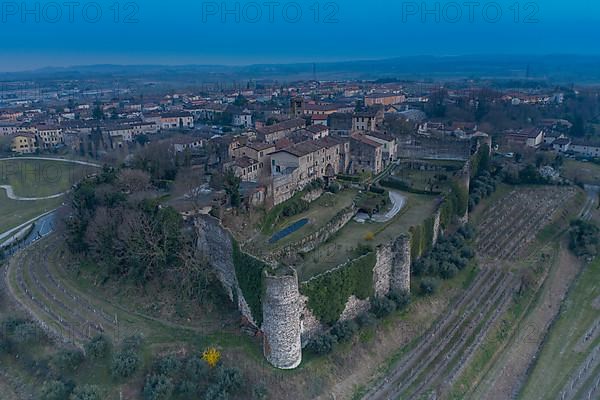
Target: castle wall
[[436, 225], [281, 321], [215, 242]]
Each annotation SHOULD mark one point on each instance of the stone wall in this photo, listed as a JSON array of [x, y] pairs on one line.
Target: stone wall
[[215, 242], [312, 195], [281, 320], [436, 225], [400, 276], [312, 241], [310, 326], [465, 181]]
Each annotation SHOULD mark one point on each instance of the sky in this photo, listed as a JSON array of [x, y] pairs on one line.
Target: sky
[[35, 34]]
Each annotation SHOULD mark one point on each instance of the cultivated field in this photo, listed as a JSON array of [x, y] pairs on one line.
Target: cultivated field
[[514, 221], [568, 366]]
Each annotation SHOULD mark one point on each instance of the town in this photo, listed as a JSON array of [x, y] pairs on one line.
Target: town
[[378, 239]]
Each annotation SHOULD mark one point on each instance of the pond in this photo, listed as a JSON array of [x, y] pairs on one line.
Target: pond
[[288, 230]]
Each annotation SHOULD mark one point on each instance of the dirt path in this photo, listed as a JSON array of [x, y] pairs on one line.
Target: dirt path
[[504, 381], [10, 193]]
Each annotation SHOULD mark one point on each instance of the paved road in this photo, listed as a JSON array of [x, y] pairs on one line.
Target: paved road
[[398, 203]]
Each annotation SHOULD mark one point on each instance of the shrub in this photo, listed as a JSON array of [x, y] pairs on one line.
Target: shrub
[[55, 390], [428, 286], [26, 332], [86, 392], [125, 363], [382, 307], [400, 297], [344, 330], [157, 387], [98, 347], [369, 236], [322, 344], [167, 365], [366, 320], [133, 342], [211, 356], [66, 360]]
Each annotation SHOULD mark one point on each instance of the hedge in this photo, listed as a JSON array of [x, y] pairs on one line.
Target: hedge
[[394, 183], [328, 293], [249, 273]]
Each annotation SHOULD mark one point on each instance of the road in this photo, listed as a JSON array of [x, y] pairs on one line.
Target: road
[[398, 202]]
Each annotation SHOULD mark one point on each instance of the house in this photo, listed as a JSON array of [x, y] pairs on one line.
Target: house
[[584, 148], [257, 151], [294, 167], [340, 124], [272, 133], [367, 120], [561, 144], [390, 150], [174, 120], [48, 136], [385, 99], [187, 143], [531, 137], [552, 136], [24, 143], [8, 129], [244, 168], [317, 131], [366, 155], [242, 119]]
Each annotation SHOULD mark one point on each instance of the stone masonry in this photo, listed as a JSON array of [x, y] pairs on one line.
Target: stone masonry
[[281, 320]]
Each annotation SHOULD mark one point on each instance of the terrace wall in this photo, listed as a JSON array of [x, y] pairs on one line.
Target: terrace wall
[[312, 241]]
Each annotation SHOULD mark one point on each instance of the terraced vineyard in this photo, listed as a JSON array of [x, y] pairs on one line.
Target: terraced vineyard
[[514, 223], [438, 360]]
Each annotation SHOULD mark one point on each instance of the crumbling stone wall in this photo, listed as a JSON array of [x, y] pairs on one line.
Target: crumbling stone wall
[[310, 326], [400, 273], [215, 242], [354, 307], [436, 225], [312, 195], [281, 320]]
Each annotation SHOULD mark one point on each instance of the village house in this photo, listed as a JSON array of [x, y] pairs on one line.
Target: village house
[[367, 120], [531, 137], [48, 136], [257, 151], [24, 143], [184, 143], [272, 133], [390, 150], [366, 154], [242, 119], [175, 120], [296, 166], [585, 148], [385, 99], [244, 168], [7, 128]]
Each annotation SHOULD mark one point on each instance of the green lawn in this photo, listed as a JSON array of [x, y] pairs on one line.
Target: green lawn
[[35, 178], [321, 211], [337, 250], [561, 355], [585, 172]]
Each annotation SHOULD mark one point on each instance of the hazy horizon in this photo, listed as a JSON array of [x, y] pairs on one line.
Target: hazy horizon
[[47, 34]]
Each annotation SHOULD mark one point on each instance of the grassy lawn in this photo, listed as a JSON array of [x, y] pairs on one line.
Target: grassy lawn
[[585, 172], [13, 213], [35, 178], [561, 355], [337, 250], [321, 211]]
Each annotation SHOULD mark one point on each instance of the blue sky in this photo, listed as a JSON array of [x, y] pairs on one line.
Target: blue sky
[[278, 31]]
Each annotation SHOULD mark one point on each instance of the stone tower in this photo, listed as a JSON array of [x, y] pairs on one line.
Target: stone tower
[[281, 319]]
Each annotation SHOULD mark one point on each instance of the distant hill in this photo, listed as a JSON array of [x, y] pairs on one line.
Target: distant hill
[[555, 68]]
